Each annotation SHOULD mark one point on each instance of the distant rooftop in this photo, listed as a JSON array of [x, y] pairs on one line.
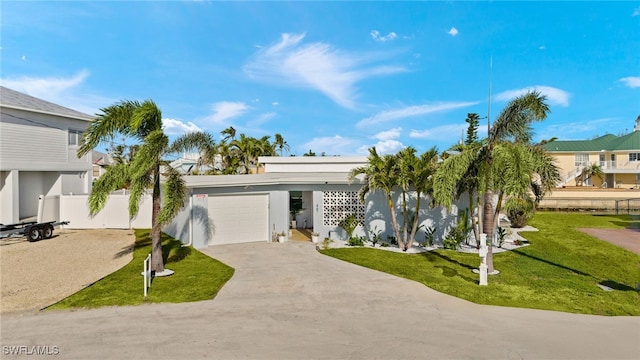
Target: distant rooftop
[[16, 100], [607, 142]]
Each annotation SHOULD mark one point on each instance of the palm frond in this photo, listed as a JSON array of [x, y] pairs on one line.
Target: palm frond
[[113, 179], [114, 120], [175, 193], [514, 121]]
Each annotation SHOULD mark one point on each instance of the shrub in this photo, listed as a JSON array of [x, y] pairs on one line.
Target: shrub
[[519, 210], [374, 235], [392, 240], [430, 235], [326, 243], [349, 224], [502, 234], [454, 237], [356, 241]]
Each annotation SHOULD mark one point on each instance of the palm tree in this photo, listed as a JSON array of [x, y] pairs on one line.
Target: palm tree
[[380, 173], [280, 144], [588, 172], [507, 140], [142, 122], [229, 133], [422, 180]]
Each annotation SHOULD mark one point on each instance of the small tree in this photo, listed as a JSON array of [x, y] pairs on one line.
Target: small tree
[[589, 172]]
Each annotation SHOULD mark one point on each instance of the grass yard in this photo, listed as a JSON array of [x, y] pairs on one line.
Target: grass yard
[[560, 270], [197, 277]]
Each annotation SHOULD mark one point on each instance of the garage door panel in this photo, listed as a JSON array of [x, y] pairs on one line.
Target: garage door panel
[[239, 218]]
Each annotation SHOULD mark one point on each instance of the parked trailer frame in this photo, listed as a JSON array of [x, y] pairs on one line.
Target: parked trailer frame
[[33, 230]]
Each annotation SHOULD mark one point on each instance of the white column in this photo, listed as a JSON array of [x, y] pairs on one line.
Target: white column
[[10, 197]]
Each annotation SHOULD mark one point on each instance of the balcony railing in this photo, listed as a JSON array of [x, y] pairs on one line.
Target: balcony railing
[[612, 164]]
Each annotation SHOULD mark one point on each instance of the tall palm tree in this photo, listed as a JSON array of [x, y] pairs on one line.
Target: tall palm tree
[[512, 126], [141, 122], [229, 133], [380, 173], [422, 180], [406, 168], [280, 144]]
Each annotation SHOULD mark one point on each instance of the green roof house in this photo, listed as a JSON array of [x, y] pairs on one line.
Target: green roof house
[[617, 156]]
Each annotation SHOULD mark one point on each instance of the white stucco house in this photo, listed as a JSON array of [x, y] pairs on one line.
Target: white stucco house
[[226, 209], [38, 144]]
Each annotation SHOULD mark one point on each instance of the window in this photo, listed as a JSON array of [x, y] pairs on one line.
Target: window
[[582, 160], [74, 137], [634, 157]]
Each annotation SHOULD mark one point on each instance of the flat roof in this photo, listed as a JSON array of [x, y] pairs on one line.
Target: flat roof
[[312, 159], [202, 181]]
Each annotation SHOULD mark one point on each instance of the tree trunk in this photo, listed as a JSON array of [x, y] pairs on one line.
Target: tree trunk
[[496, 213], [404, 220], [414, 227], [474, 223], [157, 263], [487, 227], [394, 221]]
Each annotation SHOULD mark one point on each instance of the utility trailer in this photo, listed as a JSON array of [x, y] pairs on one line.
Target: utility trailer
[[33, 230]]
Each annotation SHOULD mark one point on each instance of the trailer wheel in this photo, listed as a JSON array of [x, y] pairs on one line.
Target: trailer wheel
[[34, 233], [47, 231]]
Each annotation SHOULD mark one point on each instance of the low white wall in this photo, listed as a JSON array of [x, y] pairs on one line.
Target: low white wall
[[115, 214]]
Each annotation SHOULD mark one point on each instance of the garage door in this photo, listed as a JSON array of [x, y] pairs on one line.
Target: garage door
[[239, 218]]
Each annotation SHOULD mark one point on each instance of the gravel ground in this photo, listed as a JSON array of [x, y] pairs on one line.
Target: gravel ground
[[35, 275]]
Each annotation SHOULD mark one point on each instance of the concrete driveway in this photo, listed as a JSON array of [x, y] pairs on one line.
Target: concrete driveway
[[286, 301]]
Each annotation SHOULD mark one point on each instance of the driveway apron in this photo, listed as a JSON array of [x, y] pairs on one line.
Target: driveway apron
[[287, 301]]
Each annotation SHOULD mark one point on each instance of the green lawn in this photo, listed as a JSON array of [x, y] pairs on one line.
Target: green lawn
[[559, 271], [197, 277]]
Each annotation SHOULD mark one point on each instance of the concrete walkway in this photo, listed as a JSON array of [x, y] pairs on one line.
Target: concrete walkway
[[286, 301], [625, 238]]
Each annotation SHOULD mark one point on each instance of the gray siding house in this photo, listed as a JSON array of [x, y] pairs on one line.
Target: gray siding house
[[38, 144]]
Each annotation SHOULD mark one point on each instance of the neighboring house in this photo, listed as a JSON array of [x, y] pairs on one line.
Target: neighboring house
[[188, 164], [223, 209], [38, 145], [618, 156], [100, 161]]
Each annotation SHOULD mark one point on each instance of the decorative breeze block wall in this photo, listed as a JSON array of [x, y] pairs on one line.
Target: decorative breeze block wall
[[337, 205]]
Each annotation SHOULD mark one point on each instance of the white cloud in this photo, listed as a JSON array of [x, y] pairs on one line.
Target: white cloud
[[317, 66], [541, 47], [261, 119], [375, 35], [391, 115], [554, 95], [451, 133], [453, 31], [225, 110], [275, 103], [334, 145], [65, 91], [582, 130], [177, 127], [383, 147], [636, 12], [388, 134], [45, 88], [631, 81]]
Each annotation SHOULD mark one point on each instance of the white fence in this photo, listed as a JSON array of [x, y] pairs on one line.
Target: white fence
[[115, 214], [48, 208]]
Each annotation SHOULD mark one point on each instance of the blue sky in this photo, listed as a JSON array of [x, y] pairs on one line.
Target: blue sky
[[334, 77]]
